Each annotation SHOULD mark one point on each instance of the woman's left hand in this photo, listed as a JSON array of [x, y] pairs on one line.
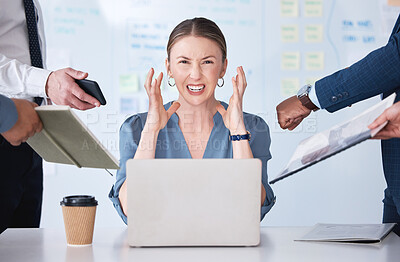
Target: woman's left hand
[[233, 115]]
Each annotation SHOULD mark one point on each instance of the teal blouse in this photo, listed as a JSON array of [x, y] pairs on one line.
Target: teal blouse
[[171, 144]]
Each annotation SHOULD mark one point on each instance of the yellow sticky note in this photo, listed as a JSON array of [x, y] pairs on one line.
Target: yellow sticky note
[[312, 80], [289, 33], [290, 61], [289, 86], [289, 8], [313, 33], [128, 83], [314, 61], [313, 8]]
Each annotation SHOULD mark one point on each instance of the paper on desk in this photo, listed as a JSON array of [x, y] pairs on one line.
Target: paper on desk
[[334, 140], [348, 233]]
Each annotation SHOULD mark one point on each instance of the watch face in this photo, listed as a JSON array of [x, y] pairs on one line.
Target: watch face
[[303, 91]]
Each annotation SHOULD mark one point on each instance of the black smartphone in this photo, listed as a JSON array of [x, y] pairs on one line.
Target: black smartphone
[[92, 88]]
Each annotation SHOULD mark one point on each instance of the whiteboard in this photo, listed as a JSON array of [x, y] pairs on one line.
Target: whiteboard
[[118, 41]]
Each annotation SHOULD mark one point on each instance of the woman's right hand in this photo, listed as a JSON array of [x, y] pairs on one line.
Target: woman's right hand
[[157, 116]]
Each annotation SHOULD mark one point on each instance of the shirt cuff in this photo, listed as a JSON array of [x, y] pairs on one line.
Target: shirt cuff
[[36, 80], [313, 96]]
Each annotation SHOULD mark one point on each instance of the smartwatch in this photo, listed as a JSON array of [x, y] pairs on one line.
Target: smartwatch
[[305, 100]]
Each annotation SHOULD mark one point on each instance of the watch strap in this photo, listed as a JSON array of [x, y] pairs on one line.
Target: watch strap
[[306, 102], [240, 137]]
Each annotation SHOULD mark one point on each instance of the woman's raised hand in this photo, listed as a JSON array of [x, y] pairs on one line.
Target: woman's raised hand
[[157, 116], [233, 116]]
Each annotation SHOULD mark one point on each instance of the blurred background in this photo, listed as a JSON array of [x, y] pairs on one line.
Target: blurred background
[[282, 45]]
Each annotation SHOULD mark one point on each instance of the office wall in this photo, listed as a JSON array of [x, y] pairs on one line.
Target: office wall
[[281, 45]]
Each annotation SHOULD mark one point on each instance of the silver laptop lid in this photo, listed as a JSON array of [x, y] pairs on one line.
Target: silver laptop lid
[[194, 202]]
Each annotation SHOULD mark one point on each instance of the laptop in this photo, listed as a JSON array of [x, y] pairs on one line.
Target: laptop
[[194, 202]]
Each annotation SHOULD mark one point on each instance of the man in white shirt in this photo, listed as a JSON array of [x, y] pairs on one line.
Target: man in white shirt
[[21, 177]]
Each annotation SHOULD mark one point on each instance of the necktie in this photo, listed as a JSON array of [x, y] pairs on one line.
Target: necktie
[[34, 46]]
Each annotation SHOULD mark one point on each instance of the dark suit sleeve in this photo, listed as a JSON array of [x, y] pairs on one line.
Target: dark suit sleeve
[[377, 73], [8, 114]]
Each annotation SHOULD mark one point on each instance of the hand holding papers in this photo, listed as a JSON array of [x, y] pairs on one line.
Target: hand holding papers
[[392, 129], [340, 137]]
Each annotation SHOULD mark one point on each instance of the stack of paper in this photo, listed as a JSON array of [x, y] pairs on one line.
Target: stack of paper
[[334, 140]]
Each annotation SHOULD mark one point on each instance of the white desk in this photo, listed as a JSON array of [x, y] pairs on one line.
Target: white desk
[[111, 245]]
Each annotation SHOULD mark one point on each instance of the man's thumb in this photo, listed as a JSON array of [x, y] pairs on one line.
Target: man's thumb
[[76, 74]]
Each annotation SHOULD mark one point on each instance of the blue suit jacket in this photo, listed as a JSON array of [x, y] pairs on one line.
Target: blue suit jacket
[[377, 73], [8, 113]]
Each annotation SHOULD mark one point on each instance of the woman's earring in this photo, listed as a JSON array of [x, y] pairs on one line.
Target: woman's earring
[[169, 82], [223, 82]]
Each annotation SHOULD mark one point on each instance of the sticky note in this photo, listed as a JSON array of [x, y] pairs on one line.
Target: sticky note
[[313, 8], [289, 8], [289, 86], [313, 34], [314, 61], [128, 83], [289, 33], [290, 61]]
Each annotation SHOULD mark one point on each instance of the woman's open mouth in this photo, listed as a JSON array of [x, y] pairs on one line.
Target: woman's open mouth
[[196, 88]]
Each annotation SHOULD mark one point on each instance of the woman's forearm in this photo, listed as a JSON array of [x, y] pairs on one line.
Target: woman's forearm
[[241, 150], [147, 145], [146, 150]]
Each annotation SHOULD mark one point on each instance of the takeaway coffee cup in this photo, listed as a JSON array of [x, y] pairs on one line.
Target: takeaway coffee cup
[[79, 214]]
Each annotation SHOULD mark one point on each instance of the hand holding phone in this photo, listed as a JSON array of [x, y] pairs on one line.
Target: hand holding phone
[[92, 88]]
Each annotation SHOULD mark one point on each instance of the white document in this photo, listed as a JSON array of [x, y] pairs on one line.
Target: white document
[[334, 140], [348, 233]]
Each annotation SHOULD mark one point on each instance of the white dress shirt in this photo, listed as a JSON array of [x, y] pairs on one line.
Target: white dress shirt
[[313, 96], [18, 79]]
